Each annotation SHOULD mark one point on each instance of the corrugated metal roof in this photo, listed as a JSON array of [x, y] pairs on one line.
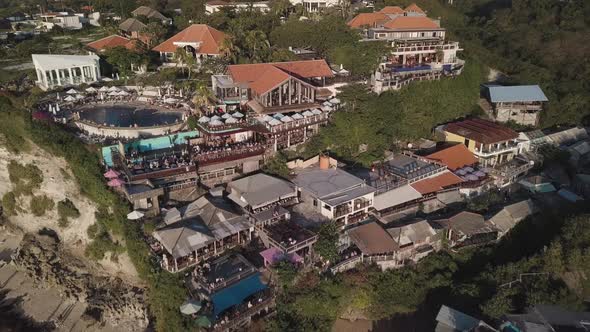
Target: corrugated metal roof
[[516, 93], [395, 197]]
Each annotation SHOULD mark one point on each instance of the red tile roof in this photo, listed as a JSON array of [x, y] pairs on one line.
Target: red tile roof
[[392, 10], [262, 77], [112, 41], [481, 131], [454, 157], [368, 19], [211, 39], [411, 22], [436, 183], [414, 8]]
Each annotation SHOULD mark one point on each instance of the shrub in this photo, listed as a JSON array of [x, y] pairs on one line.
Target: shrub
[[24, 178], [101, 245], [41, 204], [66, 209], [9, 204]]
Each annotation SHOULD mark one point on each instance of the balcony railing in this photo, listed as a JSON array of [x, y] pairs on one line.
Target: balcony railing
[[339, 212], [210, 288], [225, 156], [496, 150]]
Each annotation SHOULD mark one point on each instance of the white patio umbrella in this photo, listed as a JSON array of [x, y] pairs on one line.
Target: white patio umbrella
[[57, 107], [123, 93], [278, 116], [134, 215], [334, 101], [274, 122], [102, 96], [79, 96], [215, 123], [327, 103], [286, 118], [113, 89], [215, 117], [327, 108], [70, 98], [117, 76], [238, 115], [103, 89], [231, 120], [307, 113], [316, 111], [267, 118], [90, 89], [226, 116], [57, 96], [71, 91], [297, 116], [113, 93], [204, 119], [190, 307]]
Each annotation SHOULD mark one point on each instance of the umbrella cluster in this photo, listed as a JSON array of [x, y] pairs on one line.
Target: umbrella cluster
[[470, 174], [217, 120], [279, 118]]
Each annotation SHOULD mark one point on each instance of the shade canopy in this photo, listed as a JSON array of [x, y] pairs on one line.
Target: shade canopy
[[134, 215], [111, 174], [215, 123], [297, 116], [226, 116], [238, 115], [116, 183], [278, 116], [307, 113], [79, 97], [103, 89], [90, 89], [113, 93], [204, 119], [231, 120], [215, 117], [70, 98], [123, 93], [113, 89], [287, 119], [190, 307], [71, 91]]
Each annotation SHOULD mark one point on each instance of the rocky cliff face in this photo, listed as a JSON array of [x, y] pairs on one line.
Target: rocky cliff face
[[108, 299]]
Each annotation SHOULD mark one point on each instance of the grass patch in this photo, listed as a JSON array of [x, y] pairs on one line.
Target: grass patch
[[65, 174], [9, 204], [25, 178], [41, 204], [66, 210]]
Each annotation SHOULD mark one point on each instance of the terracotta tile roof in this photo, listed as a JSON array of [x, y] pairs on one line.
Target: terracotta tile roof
[[372, 239], [481, 131], [262, 77], [392, 10], [370, 19], [112, 41], [454, 157], [411, 22], [211, 39], [437, 183], [414, 8]]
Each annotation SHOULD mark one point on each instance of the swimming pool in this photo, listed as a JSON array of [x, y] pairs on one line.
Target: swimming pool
[[129, 116]]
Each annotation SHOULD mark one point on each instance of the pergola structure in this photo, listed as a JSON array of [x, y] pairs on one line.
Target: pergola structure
[[62, 70]]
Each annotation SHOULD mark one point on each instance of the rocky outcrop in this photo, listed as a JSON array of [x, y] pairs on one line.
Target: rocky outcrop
[[108, 299]]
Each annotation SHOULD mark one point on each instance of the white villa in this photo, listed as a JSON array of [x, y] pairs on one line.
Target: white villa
[[55, 70]]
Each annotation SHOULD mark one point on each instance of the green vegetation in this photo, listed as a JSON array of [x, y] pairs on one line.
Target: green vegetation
[[286, 273], [277, 165], [66, 210], [25, 179], [9, 204], [41, 204], [380, 121], [326, 246], [484, 201]]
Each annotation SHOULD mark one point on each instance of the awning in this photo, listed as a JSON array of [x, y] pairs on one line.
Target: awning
[[236, 293], [190, 307]]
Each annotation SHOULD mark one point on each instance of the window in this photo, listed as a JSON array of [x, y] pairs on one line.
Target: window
[[315, 202], [327, 207], [466, 142]]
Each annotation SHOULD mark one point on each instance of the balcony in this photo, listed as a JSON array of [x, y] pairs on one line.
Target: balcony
[[220, 156], [496, 150], [361, 204], [342, 210]]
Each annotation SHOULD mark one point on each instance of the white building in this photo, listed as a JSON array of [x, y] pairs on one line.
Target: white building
[[216, 5], [314, 6], [55, 70], [63, 20]]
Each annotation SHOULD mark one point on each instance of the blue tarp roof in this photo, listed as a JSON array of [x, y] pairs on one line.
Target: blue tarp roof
[[236, 293], [516, 93]]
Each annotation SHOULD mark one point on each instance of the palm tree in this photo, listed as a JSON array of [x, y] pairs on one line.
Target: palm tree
[[182, 58], [257, 45], [229, 49], [202, 96]]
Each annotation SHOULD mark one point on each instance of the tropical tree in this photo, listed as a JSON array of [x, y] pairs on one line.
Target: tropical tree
[[257, 46], [156, 33], [230, 49], [203, 95], [183, 59]]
